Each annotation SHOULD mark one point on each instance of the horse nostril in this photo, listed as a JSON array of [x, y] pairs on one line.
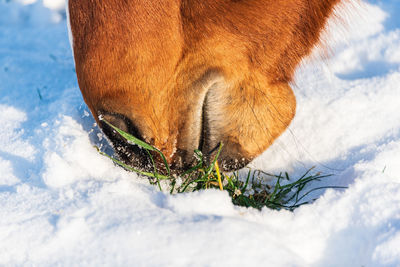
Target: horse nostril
[[204, 144], [209, 142]]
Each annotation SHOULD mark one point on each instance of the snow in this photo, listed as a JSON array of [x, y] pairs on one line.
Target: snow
[[62, 203], [10, 137]]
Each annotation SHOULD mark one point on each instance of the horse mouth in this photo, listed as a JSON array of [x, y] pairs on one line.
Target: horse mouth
[[128, 153]]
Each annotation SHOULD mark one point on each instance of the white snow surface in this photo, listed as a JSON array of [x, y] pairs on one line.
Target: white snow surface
[[64, 204]]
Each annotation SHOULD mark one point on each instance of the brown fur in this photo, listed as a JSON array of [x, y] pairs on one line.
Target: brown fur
[[188, 74]]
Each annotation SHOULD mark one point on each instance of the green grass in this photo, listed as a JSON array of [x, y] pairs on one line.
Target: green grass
[[256, 189]]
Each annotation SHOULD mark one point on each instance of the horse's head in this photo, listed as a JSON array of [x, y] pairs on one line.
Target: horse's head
[[184, 75]]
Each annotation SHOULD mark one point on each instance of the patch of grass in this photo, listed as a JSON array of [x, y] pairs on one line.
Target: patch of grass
[[257, 189]]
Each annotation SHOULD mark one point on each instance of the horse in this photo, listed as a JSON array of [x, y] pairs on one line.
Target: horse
[[183, 75]]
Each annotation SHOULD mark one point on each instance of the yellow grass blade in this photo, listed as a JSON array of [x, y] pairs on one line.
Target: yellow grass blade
[[219, 176]]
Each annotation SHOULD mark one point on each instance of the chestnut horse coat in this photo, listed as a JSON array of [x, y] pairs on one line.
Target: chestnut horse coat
[[190, 74]]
